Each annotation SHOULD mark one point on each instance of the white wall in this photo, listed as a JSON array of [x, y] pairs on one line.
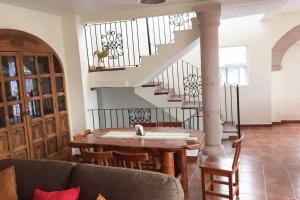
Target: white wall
[[120, 98], [43, 25], [255, 98], [288, 86], [81, 97]]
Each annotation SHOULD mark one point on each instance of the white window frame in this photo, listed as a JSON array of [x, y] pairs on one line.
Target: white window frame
[[227, 67]]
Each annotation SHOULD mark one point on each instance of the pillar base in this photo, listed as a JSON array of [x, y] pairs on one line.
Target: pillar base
[[214, 150]]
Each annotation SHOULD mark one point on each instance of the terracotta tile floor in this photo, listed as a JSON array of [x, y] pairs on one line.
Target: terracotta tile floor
[[270, 165]]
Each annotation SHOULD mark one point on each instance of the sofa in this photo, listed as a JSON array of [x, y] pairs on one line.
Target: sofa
[[112, 182]]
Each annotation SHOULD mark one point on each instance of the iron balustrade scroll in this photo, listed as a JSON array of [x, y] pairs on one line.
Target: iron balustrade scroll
[[128, 40], [114, 42], [183, 80], [128, 117], [137, 115]]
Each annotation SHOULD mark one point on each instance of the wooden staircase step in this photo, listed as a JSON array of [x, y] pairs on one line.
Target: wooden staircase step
[[151, 84], [161, 91], [175, 98], [230, 127], [105, 69]]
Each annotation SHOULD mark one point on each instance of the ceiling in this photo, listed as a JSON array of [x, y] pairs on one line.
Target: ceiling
[[82, 6], [290, 6], [95, 6], [241, 7]]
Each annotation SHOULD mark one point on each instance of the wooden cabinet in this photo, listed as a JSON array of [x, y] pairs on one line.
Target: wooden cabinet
[[33, 107]]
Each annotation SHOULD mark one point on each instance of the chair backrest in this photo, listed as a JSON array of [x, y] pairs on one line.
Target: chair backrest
[[130, 160], [98, 158], [237, 144], [170, 124], [145, 124]]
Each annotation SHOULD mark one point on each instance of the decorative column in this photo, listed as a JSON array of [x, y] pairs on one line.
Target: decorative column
[[209, 17]]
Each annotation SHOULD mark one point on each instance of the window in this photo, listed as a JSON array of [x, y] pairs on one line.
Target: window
[[233, 64]]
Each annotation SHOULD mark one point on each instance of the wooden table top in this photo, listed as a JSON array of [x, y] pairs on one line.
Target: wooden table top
[[163, 144]]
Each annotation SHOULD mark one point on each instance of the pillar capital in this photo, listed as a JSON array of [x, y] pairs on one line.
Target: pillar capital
[[209, 14]]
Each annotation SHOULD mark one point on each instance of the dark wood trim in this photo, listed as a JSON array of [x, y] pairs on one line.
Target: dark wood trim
[[103, 69], [290, 121], [255, 125], [270, 125], [276, 123]]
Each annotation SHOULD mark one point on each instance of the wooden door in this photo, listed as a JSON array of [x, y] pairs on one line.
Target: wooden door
[[14, 141], [45, 104]]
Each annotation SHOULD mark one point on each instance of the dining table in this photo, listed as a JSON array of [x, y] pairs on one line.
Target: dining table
[[170, 143]]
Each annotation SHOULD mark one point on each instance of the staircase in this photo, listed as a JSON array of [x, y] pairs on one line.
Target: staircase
[[152, 59], [148, 58]]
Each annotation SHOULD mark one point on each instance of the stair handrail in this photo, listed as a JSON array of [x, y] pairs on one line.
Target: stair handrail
[[234, 122], [188, 83]]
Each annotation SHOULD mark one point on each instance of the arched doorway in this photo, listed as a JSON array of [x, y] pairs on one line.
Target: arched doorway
[[283, 45], [33, 110]]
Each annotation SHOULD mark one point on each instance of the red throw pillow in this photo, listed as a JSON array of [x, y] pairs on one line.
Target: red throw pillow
[[69, 194]]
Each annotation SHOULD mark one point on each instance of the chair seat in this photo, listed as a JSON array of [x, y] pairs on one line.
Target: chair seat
[[223, 164]]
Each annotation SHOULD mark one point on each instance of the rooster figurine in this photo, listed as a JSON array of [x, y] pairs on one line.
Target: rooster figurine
[[101, 55]]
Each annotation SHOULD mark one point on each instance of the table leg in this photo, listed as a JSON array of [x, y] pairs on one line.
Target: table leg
[[181, 168], [167, 163]]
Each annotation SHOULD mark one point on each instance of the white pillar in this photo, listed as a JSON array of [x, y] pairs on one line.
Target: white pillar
[[209, 42]]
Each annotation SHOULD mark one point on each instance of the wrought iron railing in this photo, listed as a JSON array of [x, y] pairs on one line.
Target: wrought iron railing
[[128, 117], [128, 40], [230, 108], [183, 80]]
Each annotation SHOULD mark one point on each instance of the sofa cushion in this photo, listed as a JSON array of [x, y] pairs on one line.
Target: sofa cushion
[[8, 188], [119, 184], [68, 194], [43, 174]]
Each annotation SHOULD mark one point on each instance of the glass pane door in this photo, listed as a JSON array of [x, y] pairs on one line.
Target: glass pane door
[[13, 131], [38, 75]]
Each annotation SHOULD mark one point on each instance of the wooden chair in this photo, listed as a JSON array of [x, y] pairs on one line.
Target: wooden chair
[[130, 160], [98, 158], [146, 124], [170, 124], [222, 167]]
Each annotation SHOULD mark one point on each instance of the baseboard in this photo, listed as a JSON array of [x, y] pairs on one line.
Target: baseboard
[[286, 122], [255, 125], [276, 123], [290, 121], [270, 125]]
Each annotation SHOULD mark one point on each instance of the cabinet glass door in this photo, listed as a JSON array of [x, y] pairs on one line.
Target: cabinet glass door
[[38, 74], [14, 139]]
